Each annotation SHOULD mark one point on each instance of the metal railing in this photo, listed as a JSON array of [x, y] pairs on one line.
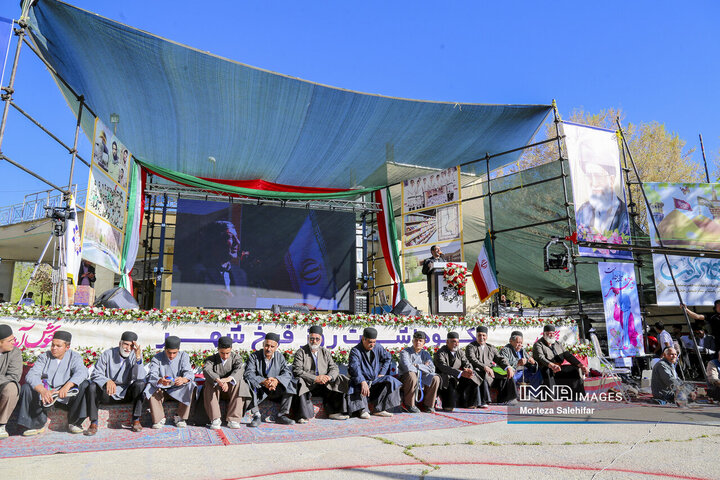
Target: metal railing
[[33, 206]]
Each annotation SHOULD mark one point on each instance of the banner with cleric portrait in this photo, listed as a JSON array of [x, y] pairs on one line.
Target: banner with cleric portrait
[[106, 204], [687, 215], [598, 194], [622, 309]]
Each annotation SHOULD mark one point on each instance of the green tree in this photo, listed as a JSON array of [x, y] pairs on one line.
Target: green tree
[[41, 285]]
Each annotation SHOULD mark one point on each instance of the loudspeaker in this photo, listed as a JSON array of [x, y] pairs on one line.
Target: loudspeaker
[[282, 308], [116, 297], [404, 308]]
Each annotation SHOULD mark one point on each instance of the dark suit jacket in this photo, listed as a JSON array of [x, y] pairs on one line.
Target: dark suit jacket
[[304, 370], [280, 369], [447, 368], [545, 354], [234, 368], [480, 358]]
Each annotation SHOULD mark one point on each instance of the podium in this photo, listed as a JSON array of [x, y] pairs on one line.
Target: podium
[[444, 300]]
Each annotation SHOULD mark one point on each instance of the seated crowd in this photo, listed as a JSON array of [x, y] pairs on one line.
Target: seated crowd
[[461, 378]]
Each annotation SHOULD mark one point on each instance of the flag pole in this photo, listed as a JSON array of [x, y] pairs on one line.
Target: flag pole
[[581, 312]]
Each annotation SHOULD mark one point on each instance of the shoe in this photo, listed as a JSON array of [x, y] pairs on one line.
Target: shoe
[[3, 432], [179, 422], [483, 405], [284, 420], [136, 427], [448, 410], [364, 415], [338, 416], [31, 432], [234, 425], [215, 424], [256, 421], [302, 421], [92, 430], [159, 425], [430, 409], [74, 429], [411, 409], [383, 413]]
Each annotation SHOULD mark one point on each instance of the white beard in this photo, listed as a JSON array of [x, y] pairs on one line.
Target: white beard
[[314, 348], [124, 354], [550, 340], [604, 206], [455, 350]]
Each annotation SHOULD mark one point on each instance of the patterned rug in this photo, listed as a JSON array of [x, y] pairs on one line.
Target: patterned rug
[[53, 442]]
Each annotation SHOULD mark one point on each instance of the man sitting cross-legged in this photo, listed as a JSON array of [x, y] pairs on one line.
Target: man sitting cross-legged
[[483, 357], [170, 375], [417, 373], [118, 377], [270, 377], [11, 365], [58, 377], [223, 373], [319, 375], [368, 367], [460, 385]]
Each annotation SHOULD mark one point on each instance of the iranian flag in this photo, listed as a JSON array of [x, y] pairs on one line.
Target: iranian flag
[[484, 272], [388, 242]]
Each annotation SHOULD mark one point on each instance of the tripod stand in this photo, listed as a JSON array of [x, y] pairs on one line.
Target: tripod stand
[[59, 217]]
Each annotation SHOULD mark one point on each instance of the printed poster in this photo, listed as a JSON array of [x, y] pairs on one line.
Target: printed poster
[[598, 194], [106, 204], [687, 215], [432, 215], [622, 309]]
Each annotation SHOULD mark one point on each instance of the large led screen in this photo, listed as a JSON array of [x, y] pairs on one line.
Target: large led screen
[[249, 256]]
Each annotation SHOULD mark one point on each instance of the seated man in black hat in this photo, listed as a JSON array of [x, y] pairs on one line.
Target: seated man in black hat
[[224, 379], [550, 355], [118, 377], [417, 374], [58, 377], [170, 375], [368, 367], [11, 366], [270, 377], [318, 375], [460, 385], [492, 368]]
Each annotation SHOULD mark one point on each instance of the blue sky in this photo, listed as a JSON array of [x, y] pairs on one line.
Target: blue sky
[[657, 60]]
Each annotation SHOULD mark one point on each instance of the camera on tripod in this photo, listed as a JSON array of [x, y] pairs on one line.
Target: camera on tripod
[[59, 213], [556, 261]]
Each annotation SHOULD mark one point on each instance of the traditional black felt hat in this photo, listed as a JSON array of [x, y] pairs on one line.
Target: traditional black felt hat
[[5, 331], [548, 328], [370, 333], [481, 329], [129, 337], [273, 336], [451, 335], [63, 335], [225, 342], [172, 342], [316, 329]]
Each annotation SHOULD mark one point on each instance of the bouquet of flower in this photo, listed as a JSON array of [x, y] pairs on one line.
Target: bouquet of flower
[[454, 275]]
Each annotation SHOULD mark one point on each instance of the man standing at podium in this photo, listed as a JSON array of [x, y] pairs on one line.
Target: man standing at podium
[[436, 256]]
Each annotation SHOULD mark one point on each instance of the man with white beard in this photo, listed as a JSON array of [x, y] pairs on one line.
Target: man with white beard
[[459, 384], [118, 377], [604, 211], [550, 354], [318, 375]]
